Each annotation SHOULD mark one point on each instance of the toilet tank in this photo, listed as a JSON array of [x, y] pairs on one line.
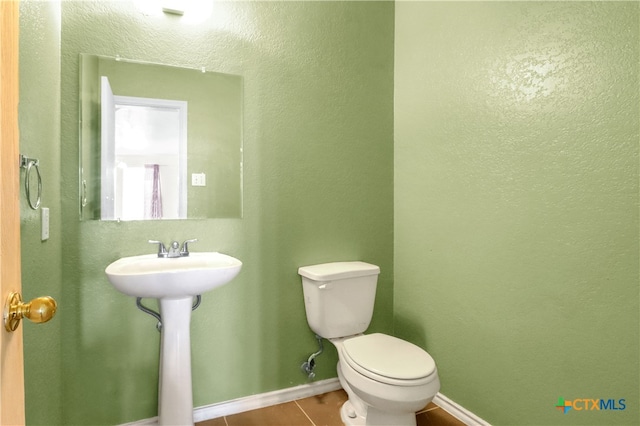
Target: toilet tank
[[339, 297]]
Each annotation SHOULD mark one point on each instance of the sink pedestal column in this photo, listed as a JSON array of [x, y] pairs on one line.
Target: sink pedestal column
[[175, 400]]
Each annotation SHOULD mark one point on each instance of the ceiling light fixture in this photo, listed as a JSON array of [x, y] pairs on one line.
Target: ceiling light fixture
[[173, 7]]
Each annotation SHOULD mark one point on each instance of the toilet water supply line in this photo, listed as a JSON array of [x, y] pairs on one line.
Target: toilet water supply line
[[308, 366], [156, 315]]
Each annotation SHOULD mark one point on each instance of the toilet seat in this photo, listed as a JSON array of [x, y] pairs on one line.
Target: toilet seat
[[388, 359]]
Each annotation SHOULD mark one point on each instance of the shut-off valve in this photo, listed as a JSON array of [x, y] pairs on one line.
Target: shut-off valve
[[308, 366]]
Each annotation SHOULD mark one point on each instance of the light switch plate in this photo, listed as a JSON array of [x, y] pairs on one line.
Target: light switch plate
[[198, 179], [45, 223]]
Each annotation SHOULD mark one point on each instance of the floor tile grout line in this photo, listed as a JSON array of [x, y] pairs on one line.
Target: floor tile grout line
[[426, 410], [304, 412]]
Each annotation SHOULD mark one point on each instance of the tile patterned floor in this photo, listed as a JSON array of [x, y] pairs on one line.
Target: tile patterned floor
[[320, 410]]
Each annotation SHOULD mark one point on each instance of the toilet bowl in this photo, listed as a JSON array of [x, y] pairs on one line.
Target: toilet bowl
[[386, 378]]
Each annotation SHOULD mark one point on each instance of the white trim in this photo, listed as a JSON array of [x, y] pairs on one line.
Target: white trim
[[143, 422], [458, 411], [254, 402], [268, 399]]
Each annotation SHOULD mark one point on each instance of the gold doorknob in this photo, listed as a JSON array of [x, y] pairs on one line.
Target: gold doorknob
[[40, 309]]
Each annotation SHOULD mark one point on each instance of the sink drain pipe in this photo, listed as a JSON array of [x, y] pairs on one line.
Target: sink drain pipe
[[156, 315], [308, 366]]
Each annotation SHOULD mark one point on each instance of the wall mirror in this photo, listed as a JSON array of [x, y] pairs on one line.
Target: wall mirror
[[158, 142]]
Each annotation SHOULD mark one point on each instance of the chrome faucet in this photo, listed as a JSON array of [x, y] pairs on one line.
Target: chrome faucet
[[184, 251], [174, 248], [162, 250]]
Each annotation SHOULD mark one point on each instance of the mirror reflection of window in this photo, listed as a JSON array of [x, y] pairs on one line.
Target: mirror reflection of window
[[144, 154], [139, 193]]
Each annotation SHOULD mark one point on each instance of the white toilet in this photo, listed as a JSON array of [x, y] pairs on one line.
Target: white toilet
[[387, 379]]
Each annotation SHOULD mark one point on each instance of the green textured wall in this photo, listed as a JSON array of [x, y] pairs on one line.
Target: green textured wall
[[318, 187], [516, 203], [39, 120], [516, 230]]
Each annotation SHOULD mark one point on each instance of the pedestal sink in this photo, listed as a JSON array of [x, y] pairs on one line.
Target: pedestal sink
[[174, 282]]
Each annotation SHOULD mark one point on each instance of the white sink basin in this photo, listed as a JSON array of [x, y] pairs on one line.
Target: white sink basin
[[172, 278]]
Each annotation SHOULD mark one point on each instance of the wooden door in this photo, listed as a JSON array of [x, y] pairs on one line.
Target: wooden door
[[11, 360]]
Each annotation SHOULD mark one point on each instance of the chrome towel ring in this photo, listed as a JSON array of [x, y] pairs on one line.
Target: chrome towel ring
[[29, 164]]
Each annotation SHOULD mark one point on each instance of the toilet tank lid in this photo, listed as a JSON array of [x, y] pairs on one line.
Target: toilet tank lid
[[338, 270]]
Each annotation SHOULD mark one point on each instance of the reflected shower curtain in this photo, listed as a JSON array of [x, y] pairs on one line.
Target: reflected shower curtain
[[152, 192]]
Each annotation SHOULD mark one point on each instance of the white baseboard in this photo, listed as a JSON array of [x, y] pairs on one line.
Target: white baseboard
[[458, 411], [254, 402], [262, 400]]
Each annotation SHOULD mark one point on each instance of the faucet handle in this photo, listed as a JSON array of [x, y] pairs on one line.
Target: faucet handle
[[185, 247], [162, 250]]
